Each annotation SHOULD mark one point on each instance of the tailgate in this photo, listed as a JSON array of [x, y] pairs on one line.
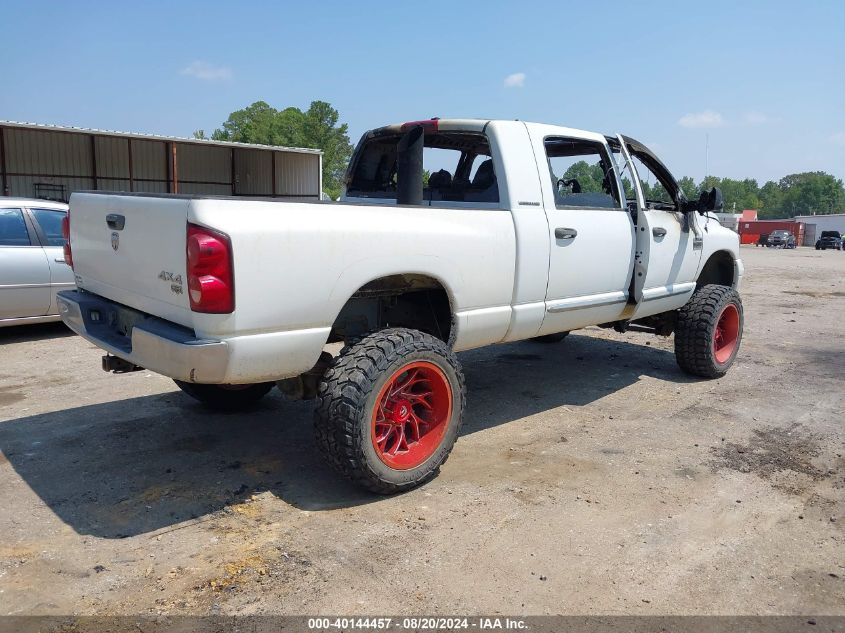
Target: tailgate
[[131, 249]]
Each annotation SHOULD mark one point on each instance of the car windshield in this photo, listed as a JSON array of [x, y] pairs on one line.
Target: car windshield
[[831, 234], [780, 234]]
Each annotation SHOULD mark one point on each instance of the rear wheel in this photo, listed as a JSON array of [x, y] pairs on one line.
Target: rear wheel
[[557, 337], [709, 331], [390, 409], [226, 397]]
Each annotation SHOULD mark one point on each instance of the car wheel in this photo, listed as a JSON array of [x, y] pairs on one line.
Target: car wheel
[[557, 337], [226, 397], [390, 409], [708, 331]]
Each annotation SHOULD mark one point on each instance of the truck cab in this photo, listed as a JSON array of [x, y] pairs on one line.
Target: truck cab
[[604, 205]]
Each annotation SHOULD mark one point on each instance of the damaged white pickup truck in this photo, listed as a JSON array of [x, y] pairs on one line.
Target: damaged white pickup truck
[[521, 231]]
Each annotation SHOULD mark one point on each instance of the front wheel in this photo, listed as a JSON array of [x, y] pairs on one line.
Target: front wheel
[[708, 331], [390, 409], [226, 397]]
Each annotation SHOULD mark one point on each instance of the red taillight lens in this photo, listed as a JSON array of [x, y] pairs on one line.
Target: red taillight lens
[[211, 285], [66, 236]]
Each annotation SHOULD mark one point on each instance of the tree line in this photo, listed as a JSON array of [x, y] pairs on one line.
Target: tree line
[[319, 127]]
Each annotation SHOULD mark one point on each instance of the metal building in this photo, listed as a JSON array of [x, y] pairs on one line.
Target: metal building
[[818, 223], [51, 162]]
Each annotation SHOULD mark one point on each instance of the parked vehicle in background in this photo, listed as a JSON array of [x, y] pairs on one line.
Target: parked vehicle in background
[[781, 239], [32, 265], [526, 232], [763, 240], [829, 239]]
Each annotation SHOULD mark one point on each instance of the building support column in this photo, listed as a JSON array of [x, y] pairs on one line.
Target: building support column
[[6, 191], [273, 169], [94, 161], [131, 176]]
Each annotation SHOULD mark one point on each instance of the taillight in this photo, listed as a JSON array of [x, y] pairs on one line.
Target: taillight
[[211, 285], [66, 236]]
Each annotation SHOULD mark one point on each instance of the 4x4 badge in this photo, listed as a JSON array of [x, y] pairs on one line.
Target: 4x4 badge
[[174, 279]]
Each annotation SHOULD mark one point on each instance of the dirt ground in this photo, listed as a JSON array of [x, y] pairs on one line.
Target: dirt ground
[[592, 477]]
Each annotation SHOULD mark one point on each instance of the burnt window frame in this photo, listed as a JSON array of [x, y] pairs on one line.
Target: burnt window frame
[[656, 167], [467, 156]]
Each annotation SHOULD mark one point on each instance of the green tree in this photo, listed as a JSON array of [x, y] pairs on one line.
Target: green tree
[[772, 198], [688, 186], [812, 192], [588, 176], [318, 128]]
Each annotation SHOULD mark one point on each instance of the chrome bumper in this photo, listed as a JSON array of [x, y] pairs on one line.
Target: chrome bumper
[[144, 340]]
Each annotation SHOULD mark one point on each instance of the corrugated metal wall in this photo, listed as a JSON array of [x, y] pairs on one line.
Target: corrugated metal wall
[[46, 163], [149, 166], [253, 173], [53, 164], [295, 174]]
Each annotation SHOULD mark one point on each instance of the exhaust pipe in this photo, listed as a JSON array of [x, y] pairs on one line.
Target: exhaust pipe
[[409, 167]]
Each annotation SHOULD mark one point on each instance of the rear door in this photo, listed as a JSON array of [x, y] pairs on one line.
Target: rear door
[[24, 272], [590, 233], [48, 225], [131, 249]]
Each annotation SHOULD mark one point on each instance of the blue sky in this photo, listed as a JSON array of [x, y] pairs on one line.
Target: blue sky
[[765, 80]]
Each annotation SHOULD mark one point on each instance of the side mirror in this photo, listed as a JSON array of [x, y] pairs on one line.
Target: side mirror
[[711, 200]]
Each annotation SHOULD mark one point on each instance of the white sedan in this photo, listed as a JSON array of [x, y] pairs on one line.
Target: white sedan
[[32, 263]]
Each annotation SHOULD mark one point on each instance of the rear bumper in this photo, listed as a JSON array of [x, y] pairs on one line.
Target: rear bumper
[[143, 340]]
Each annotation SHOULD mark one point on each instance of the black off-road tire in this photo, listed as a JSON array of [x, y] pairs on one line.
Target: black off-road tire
[[695, 330], [557, 337], [226, 397], [347, 396]]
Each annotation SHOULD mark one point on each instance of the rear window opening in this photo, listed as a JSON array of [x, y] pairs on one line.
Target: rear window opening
[[458, 167]]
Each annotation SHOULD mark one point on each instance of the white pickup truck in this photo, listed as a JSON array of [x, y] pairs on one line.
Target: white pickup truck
[[519, 231]]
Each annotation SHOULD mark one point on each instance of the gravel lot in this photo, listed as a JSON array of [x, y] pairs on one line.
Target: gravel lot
[[592, 477]]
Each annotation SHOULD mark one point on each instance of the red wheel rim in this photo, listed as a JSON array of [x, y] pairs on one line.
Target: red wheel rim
[[726, 334], [411, 415]]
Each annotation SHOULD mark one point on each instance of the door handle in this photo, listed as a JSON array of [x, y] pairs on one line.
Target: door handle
[[115, 221], [562, 233], [658, 231]]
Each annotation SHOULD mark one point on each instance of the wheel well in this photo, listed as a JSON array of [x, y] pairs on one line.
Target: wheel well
[[719, 269], [414, 301]]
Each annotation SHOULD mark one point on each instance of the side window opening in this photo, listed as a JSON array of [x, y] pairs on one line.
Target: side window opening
[[655, 190], [458, 167], [582, 174]]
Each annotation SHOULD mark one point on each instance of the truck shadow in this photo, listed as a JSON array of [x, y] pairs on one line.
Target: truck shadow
[[36, 332], [133, 466]]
